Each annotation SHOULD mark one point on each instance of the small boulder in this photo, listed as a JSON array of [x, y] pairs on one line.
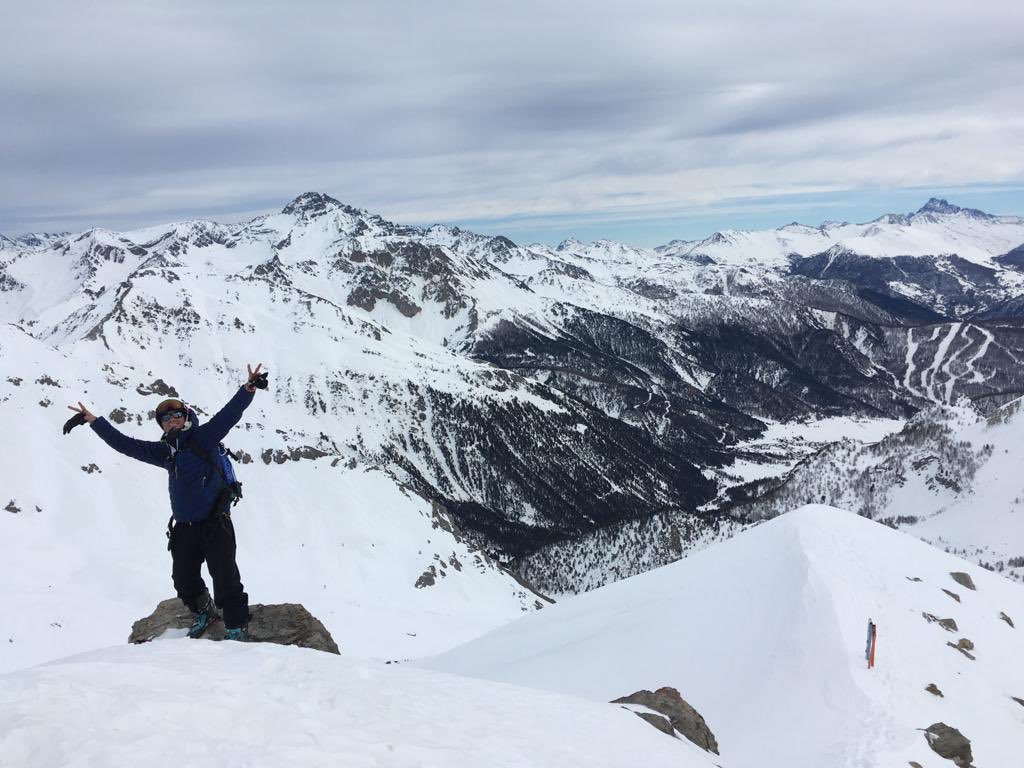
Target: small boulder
[[947, 624], [1006, 618], [949, 743], [964, 646], [284, 624], [681, 716], [954, 595], [933, 689], [963, 579]]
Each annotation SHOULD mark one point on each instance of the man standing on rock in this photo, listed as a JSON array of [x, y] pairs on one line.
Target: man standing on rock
[[201, 495]]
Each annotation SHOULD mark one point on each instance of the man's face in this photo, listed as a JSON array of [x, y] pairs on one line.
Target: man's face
[[172, 418]]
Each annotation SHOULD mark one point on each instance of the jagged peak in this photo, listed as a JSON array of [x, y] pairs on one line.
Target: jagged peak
[[314, 204], [720, 237], [940, 206], [502, 241], [901, 219]]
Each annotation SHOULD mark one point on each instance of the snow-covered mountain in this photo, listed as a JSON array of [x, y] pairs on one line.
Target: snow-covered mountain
[[765, 636], [458, 426], [535, 396]]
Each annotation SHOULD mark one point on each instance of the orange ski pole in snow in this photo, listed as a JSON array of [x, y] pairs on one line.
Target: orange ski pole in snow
[[869, 652]]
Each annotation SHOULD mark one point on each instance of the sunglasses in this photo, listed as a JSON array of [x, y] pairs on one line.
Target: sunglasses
[[168, 415]]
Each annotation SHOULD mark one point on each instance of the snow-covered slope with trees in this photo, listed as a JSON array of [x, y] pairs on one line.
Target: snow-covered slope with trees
[[949, 476]]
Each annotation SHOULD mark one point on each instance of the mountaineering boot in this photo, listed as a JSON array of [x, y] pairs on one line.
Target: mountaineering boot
[[201, 619], [240, 634]]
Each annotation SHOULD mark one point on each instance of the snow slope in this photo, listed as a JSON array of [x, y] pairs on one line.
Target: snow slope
[[765, 634], [82, 528], [176, 703]]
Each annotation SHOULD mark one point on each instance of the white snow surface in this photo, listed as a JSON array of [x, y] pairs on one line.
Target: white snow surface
[[765, 634], [178, 703]]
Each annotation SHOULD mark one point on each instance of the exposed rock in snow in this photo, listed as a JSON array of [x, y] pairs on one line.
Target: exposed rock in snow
[[682, 718], [283, 624], [963, 579], [949, 743]]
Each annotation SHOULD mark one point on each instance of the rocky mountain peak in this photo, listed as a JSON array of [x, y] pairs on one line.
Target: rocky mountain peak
[[311, 204], [939, 206]]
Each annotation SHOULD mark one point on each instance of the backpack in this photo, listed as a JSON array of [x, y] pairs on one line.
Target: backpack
[[223, 465]]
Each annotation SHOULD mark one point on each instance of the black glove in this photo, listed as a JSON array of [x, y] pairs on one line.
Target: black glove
[[77, 420], [259, 381]]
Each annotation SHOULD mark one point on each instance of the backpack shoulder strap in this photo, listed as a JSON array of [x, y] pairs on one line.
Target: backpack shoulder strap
[[202, 454]]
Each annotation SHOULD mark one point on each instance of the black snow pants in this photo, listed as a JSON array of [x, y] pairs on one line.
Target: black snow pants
[[212, 540]]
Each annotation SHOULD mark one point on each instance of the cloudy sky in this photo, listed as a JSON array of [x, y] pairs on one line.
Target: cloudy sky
[[641, 121]]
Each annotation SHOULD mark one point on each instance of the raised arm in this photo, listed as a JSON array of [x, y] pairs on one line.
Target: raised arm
[[150, 451], [217, 427]]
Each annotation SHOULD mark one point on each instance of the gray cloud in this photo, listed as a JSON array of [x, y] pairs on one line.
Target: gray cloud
[[130, 113]]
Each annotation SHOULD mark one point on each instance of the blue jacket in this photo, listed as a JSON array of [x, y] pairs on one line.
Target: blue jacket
[[194, 484]]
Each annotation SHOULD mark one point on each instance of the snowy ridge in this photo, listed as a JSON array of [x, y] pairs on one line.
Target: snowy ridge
[[765, 635], [949, 477]]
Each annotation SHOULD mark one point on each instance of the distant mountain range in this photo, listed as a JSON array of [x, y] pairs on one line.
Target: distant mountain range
[[539, 395]]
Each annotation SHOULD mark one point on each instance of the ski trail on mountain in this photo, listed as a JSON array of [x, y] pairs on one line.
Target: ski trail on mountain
[[940, 354], [977, 375], [911, 351]]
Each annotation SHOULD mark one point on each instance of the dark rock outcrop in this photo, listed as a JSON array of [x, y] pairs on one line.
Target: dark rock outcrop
[[949, 743], [158, 387], [679, 716], [933, 689], [963, 579], [283, 624]]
